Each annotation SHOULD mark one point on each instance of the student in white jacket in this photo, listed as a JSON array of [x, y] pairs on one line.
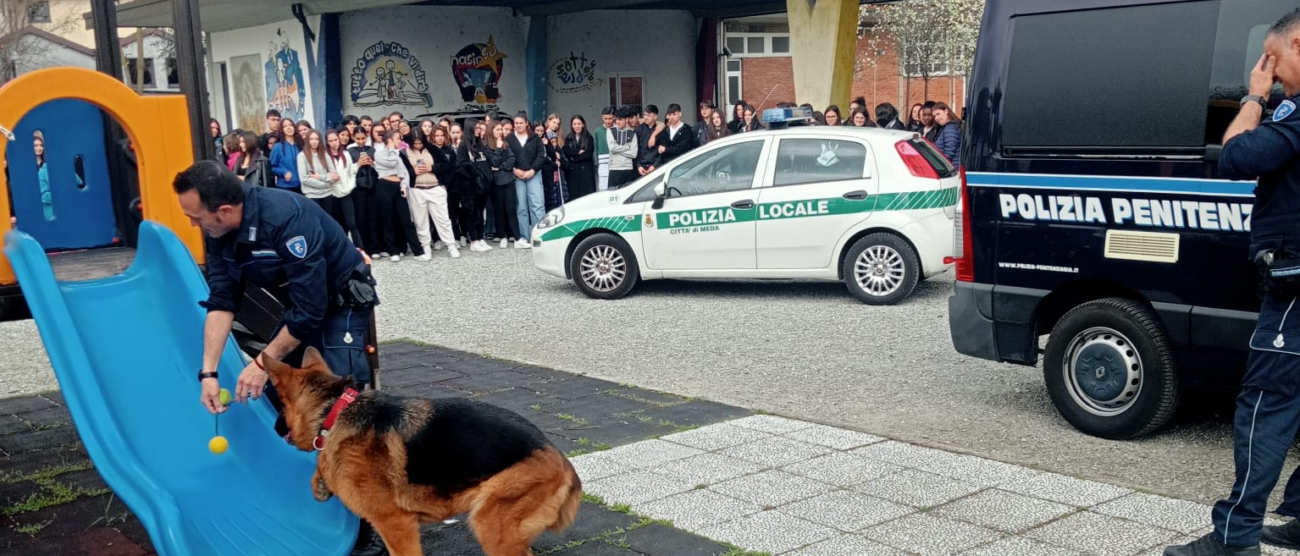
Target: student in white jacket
[[345, 212], [317, 172]]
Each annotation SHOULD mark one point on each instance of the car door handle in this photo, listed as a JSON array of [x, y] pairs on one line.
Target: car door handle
[[743, 205], [856, 195]]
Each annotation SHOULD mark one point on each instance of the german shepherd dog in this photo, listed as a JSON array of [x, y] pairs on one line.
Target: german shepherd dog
[[399, 462]]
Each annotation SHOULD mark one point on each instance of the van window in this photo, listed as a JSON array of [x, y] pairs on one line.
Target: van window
[[1238, 45], [1124, 81]]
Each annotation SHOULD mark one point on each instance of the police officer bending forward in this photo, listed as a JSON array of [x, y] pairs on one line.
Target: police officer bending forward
[[1268, 408], [287, 245]]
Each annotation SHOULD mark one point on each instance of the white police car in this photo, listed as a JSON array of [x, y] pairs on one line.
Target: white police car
[[872, 207]]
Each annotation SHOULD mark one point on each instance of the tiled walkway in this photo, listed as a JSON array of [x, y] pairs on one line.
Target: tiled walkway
[[794, 488]]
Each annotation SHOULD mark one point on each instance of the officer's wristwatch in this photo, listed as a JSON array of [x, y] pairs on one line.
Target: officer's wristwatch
[[1254, 98]]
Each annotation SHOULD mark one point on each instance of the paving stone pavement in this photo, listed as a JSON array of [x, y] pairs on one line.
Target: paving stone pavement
[[53, 502], [787, 487], [666, 475]]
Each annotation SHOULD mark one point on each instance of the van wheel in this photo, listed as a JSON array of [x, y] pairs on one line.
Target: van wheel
[[604, 267], [1110, 371], [881, 269]]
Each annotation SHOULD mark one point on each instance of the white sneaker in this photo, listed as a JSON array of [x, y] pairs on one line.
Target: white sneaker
[[455, 253], [464, 242], [437, 246], [505, 244], [425, 257], [381, 256], [523, 244], [395, 258], [480, 246]]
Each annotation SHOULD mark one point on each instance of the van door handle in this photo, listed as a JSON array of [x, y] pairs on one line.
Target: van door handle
[[743, 205], [856, 195]]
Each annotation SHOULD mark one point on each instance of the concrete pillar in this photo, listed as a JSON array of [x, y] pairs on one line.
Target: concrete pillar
[[535, 67], [823, 44]]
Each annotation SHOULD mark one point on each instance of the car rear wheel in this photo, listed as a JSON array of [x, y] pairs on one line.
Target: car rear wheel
[[881, 269], [604, 267], [1109, 369]]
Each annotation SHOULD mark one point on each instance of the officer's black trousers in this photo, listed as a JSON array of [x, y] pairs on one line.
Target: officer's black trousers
[[1267, 417], [367, 218]]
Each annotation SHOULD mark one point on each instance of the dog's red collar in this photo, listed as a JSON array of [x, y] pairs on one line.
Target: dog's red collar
[[343, 402]]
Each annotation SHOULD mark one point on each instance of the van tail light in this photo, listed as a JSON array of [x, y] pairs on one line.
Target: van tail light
[[916, 163], [963, 257]]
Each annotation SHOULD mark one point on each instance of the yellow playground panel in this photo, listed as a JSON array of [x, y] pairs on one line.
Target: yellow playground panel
[[158, 126]]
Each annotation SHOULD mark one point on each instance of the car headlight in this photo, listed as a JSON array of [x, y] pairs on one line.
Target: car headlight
[[551, 219]]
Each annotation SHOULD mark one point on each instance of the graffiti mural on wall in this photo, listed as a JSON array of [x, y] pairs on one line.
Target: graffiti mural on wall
[[574, 74], [250, 94], [285, 89], [477, 71], [388, 74]]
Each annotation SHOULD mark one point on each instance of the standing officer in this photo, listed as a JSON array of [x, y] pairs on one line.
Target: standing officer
[[1268, 408], [286, 244]]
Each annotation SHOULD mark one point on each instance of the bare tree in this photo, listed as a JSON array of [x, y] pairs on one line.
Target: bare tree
[[18, 49], [930, 37]]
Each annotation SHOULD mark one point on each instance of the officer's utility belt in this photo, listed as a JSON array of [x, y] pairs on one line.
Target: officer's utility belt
[[359, 291], [1280, 271]]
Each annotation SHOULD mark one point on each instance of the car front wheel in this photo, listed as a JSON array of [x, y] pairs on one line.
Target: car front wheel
[[881, 269], [604, 267]]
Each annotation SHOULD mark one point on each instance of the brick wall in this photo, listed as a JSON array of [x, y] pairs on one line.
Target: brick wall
[[877, 84]]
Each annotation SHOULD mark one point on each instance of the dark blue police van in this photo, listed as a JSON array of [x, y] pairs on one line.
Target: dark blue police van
[[1091, 209]]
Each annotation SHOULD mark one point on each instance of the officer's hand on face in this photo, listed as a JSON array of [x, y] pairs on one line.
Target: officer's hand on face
[[211, 396], [251, 382], [1263, 76]]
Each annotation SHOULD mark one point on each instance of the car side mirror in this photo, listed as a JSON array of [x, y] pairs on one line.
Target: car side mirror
[[661, 191]]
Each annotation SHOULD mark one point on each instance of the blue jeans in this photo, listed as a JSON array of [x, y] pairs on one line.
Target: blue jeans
[[530, 205]]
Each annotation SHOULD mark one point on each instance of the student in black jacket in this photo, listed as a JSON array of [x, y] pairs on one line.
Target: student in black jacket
[[579, 158], [530, 158], [676, 138]]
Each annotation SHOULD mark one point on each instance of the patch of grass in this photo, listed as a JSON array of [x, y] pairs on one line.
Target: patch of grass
[[589, 497], [584, 441], [676, 427], [46, 473], [31, 529], [645, 419], [701, 486], [48, 426], [622, 508], [52, 493], [535, 407], [733, 550], [576, 453], [571, 418], [620, 542]]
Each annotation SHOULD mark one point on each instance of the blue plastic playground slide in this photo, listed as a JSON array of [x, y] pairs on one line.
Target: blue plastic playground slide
[[126, 350]]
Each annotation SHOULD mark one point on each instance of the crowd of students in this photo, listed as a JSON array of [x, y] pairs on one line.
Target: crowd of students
[[399, 187]]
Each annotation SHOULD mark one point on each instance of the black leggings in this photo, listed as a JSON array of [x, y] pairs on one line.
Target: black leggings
[[471, 212], [342, 211], [367, 218], [503, 203], [396, 229]]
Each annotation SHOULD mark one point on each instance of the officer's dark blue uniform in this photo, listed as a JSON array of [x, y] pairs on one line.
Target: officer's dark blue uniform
[[1268, 408], [293, 249]]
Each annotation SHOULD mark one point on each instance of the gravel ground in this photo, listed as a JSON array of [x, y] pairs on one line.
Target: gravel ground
[[806, 350]]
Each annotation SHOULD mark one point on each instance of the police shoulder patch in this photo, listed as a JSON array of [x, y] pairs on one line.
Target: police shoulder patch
[[297, 246], [1283, 110]]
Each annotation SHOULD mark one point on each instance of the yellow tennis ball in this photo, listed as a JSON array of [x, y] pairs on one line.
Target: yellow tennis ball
[[218, 445], [224, 396]]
